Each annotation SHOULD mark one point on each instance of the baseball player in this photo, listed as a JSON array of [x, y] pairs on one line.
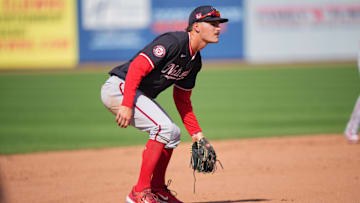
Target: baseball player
[[172, 58], [352, 127]]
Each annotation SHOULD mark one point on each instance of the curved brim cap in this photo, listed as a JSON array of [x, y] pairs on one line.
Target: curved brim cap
[[199, 15], [210, 19]]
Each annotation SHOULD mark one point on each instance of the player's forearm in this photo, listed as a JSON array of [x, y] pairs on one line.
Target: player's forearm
[[184, 107]]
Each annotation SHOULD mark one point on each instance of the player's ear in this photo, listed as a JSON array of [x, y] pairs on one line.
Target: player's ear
[[196, 27]]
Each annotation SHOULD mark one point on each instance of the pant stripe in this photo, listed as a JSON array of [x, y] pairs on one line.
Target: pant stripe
[[147, 116]]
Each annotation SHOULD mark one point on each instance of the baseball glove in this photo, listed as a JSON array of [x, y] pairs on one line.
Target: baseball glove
[[203, 156]]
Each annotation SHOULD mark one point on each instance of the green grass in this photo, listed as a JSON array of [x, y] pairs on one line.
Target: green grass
[[63, 111]]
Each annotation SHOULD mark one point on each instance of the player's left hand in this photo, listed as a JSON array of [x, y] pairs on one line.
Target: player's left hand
[[196, 137], [203, 156]]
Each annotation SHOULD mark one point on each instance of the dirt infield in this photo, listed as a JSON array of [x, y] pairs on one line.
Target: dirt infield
[[321, 168]]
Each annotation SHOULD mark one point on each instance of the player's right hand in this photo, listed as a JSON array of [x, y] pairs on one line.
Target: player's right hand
[[123, 117]]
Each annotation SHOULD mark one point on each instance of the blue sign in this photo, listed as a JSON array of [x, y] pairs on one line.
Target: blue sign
[[114, 30]]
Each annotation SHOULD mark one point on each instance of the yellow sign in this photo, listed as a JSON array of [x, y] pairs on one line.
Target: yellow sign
[[38, 34]]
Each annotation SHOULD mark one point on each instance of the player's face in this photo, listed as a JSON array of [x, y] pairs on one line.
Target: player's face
[[210, 31]]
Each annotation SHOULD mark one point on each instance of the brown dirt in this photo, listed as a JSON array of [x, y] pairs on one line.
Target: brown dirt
[[321, 168]]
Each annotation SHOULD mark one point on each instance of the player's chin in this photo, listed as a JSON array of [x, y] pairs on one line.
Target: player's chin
[[214, 40]]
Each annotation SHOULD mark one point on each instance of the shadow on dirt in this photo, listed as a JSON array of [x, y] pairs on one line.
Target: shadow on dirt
[[237, 201]]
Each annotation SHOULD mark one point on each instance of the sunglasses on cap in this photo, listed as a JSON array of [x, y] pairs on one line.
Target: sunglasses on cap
[[213, 13]]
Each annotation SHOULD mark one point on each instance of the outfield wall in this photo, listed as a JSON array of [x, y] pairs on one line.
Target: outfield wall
[[66, 33]]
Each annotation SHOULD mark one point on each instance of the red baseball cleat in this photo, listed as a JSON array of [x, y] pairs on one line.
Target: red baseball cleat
[[165, 195], [146, 196]]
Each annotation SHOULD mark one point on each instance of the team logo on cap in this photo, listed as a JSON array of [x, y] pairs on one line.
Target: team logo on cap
[[198, 15], [159, 51]]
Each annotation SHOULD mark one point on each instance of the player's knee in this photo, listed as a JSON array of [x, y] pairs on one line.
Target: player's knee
[[175, 137], [169, 135], [175, 132]]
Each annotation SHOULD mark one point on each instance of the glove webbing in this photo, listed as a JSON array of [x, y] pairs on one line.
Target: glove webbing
[[201, 160]]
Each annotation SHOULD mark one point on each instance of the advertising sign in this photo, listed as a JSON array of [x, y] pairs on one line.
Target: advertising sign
[[173, 15], [302, 30], [38, 34], [114, 30]]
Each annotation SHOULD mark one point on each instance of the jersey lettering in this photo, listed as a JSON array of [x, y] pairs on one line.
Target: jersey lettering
[[174, 72]]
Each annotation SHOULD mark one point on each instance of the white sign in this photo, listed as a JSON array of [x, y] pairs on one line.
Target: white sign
[[115, 14], [302, 30]]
